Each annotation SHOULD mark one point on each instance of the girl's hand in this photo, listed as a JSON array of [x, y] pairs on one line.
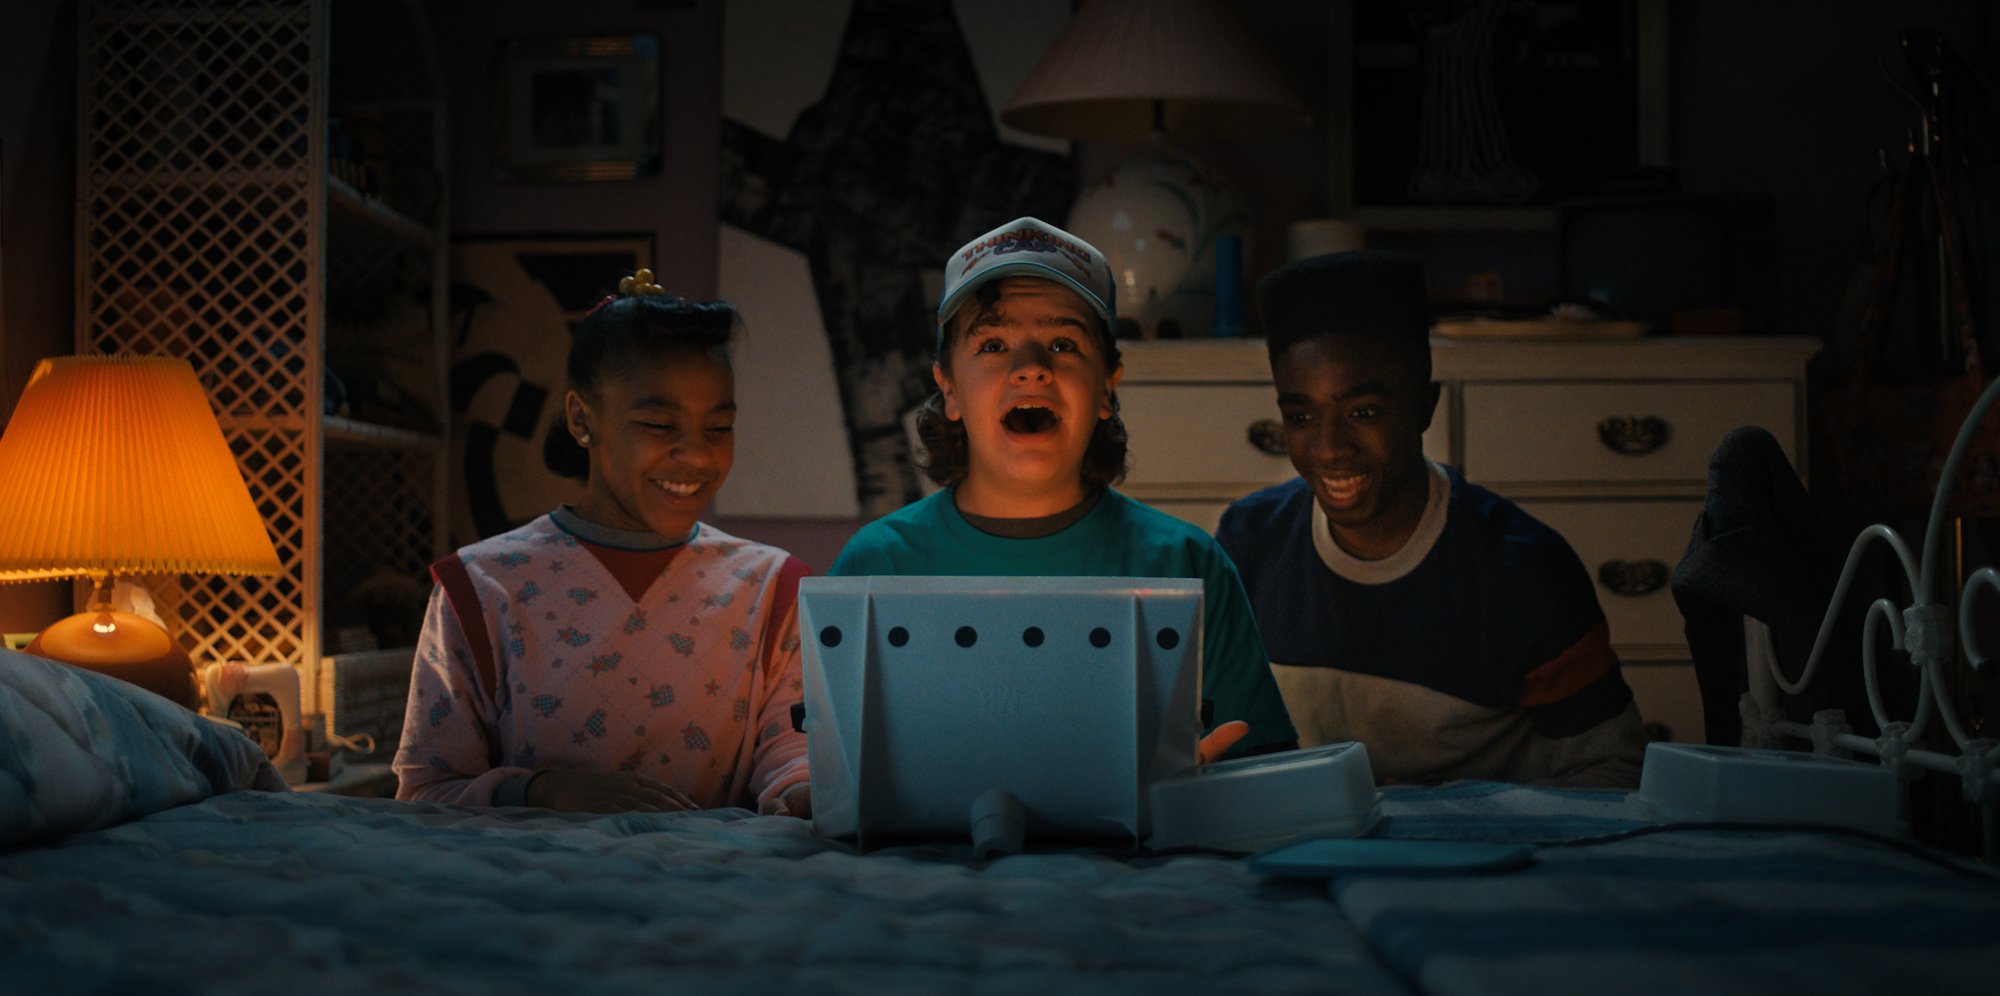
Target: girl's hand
[[795, 801], [605, 792], [1218, 742]]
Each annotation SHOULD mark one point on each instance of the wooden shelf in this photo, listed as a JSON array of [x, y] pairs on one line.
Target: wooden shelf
[[349, 430], [374, 780], [243, 16], [387, 105], [343, 197], [159, 179], [1457, 220]]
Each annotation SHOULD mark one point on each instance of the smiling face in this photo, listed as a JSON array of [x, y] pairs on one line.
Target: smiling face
[[1354, 412], [661, 441], [1026, 375]]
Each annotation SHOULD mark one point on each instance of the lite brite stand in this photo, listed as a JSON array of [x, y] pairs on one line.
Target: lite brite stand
[[1024, 707], [1056, 709]]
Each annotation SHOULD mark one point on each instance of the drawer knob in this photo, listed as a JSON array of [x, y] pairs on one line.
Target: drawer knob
[[1632, 578], [1268, 436], [1635, 435]]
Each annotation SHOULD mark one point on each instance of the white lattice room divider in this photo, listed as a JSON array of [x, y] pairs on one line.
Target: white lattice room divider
[[212, 225]]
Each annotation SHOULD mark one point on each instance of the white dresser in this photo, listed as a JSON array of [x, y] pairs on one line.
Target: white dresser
[[1607, 442]]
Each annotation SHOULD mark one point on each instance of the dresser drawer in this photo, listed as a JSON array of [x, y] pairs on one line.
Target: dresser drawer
[[1611, 431], [1200, 435], [1668, 695], [1630, 549], [1196, 440]]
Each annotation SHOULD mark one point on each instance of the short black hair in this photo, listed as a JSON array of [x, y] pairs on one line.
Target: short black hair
[[1375, 293], [627, 331]]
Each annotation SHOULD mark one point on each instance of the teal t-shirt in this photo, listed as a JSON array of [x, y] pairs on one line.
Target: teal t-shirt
[[1118, 538]]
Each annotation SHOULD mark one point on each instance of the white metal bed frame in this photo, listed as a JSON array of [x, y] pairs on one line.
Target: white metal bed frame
[[1924, 631]]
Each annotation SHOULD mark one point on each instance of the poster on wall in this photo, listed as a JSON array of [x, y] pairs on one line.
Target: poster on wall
[[859, 147], [1530, 101], [514, 300]]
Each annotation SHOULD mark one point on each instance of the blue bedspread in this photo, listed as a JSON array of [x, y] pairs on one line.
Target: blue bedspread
[[143, 890], [1618, 902], [80, 750], [304, 893], [274, 892]]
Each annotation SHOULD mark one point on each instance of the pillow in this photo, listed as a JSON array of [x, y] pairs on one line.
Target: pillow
[[80, 750]]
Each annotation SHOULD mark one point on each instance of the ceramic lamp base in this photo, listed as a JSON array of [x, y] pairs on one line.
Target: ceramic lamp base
[[123, 646], [1159, 218]]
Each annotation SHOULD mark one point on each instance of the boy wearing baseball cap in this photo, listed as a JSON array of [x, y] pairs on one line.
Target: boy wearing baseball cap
[[1023, 434], [1425, 616]]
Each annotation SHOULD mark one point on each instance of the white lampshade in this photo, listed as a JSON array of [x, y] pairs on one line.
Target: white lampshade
[[1118, 59]]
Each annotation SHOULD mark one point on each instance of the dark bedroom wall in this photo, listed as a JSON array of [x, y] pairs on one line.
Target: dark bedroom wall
[[1781, 95], [37, 191], [1786, 96], [1778, 96], [678, 204]]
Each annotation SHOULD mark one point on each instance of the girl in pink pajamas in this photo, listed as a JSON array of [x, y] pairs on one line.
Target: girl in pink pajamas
[[618, 655]]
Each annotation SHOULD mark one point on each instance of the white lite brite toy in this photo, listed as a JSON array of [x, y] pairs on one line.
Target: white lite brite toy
[[995, 706]]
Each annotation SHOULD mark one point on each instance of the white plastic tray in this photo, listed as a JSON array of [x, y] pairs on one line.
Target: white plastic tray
[[1252, 803], [1743, 784]]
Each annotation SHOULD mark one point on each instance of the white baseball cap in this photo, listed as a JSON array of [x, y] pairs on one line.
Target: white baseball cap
[[1029, 247]]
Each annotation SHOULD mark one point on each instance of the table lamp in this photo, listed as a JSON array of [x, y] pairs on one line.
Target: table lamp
[[1149, 71], [115, 465]]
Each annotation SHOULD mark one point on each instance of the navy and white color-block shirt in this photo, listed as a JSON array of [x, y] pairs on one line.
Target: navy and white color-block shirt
[[1478, 651]]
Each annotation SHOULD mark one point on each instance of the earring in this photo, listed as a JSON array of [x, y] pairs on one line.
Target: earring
[[583, 438]]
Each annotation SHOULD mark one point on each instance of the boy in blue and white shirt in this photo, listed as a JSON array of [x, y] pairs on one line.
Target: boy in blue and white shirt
[[1402, 606]]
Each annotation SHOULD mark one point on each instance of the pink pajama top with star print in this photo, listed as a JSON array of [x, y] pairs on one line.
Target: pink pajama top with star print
[[542, 649]]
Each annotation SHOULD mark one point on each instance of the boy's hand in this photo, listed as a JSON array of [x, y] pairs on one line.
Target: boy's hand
[[795, 801], [605, 792], [1218, 742]]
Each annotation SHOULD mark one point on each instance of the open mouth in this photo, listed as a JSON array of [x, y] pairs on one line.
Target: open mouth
[[1342, 488], [1029, 419], [679, 489]]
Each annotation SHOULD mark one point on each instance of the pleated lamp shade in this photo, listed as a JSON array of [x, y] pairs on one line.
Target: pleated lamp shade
[[115, 465], [1118, 58]]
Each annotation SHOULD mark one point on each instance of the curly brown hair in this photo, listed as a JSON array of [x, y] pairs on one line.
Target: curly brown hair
[[947, 449]]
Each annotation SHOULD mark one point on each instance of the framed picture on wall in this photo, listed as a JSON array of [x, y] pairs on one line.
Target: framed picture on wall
[[582, 108], [514, 300], [1489, 104]]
